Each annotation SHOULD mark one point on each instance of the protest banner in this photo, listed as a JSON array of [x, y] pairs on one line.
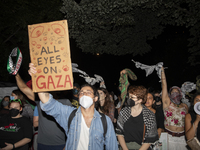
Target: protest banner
[[50, 54]]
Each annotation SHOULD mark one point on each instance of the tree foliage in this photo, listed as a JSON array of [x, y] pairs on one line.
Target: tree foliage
[[125, 26], [15, 18], [115, 27]]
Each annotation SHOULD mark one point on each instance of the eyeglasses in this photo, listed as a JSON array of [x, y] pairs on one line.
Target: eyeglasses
[[88, 93], [16, 100]]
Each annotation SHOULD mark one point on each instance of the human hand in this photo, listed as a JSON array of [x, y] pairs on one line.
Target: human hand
[[32, 69], [123, 72], [8, 147]]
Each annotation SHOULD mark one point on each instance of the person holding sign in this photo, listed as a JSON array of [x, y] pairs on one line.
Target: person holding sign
[[86, 129], [50, 135]]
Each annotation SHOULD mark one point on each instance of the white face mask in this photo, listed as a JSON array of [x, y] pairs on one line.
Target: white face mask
[[86, 101]]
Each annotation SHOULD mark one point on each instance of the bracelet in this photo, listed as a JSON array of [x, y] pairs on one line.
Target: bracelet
[[13, 146]]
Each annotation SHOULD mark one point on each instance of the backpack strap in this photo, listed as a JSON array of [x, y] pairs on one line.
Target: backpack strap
[[104, 122], [71, 117]]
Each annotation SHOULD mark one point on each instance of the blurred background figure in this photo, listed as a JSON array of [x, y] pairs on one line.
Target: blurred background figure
[[150, 103], [75, 101], [4, 110]]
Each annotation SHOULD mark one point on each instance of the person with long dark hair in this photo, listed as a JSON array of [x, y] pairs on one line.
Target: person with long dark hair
[[4, 110], [105, 105], [192, 119], [150, 103]]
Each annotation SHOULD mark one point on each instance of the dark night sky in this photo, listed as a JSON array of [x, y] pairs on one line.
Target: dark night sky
[[170, 47]]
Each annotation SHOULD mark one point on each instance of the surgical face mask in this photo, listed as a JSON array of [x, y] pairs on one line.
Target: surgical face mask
[[86, 101], [130, 102], [75, 91], [14, 112], [5, 103], [12, 97]]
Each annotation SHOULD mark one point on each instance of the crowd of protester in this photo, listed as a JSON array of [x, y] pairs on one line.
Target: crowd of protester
[[94, 118]]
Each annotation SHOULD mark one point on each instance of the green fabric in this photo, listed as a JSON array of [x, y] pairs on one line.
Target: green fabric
[[123, 83]]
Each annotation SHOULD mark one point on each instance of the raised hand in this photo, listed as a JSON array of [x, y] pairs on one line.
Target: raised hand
[[32, 70]]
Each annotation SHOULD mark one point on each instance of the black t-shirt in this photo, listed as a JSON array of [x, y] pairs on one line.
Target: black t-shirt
[[160, 116], [4, 111], [13, 130], [133, 129]]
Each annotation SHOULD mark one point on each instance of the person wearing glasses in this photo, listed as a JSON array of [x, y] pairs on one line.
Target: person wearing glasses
[[86, 130], [15, 130], [136, 124]]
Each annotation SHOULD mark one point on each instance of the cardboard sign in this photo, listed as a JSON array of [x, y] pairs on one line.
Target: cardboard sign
[[50, 54]]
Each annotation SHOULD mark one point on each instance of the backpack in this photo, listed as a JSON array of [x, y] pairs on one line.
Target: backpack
[[103, 120]]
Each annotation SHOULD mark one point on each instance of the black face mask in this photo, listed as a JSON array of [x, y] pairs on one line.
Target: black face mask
[[130, 102], [14, 112], [157, 98]]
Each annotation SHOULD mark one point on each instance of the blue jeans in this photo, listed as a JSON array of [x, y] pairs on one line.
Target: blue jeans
[[50, 147]]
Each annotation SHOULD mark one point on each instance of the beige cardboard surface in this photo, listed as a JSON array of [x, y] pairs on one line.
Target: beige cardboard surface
[[50, 54]]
